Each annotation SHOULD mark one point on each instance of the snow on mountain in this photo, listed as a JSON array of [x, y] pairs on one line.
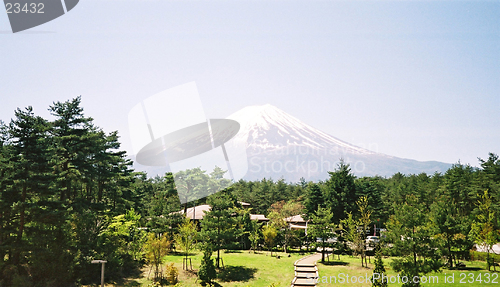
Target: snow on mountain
[[281, 146], [267, 127]]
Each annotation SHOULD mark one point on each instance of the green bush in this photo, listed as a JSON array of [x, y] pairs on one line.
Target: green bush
[[481, 256]]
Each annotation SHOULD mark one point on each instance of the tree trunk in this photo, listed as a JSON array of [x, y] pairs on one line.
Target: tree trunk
[[17, 253], [323, 252], [450, 258]]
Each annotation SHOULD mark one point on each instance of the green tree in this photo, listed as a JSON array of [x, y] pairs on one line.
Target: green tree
[[207, 272], [483, 229], [322, 227], [314, 198], [37, 222], [156, 248], [410, 232], [191, 184], [280, 214], [352, 234], [269, 233], [254, 235], [449, 227], [379, 271], [218, 226], [186, 238], [161, 205], [364, 221], [340, 193]]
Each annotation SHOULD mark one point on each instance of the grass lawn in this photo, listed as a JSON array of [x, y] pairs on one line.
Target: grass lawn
[[261, 270], [241, 269], [352, 266]]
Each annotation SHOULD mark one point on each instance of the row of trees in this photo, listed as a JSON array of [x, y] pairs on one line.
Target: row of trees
[[68, 196], [428, 218]]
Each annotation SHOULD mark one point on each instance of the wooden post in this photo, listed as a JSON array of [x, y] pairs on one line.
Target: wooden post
[[102, 269]]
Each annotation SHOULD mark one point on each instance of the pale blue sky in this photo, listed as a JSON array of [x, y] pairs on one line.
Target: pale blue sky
[[413, 79]]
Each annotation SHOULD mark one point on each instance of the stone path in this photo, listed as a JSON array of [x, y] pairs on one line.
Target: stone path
[[306, 271]]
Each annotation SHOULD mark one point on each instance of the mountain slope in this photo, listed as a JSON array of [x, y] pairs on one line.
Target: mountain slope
[[281, 146]]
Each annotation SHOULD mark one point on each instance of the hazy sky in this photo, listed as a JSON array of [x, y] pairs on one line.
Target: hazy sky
[[413, 79]]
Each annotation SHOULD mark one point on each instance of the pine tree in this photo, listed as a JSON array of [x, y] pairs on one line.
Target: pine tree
[[378, 279], [314, 198], [207, 272], [218, 226], [412, 234], [322, 227], [340, 193]]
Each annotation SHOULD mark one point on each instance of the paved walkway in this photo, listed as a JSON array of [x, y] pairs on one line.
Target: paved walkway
[[306, 271]]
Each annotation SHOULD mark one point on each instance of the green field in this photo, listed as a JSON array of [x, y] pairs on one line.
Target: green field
[[241, 269], [248, 269], [352, 266]]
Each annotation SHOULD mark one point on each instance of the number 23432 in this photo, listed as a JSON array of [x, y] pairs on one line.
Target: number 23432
[[470, 278], [17, 8]]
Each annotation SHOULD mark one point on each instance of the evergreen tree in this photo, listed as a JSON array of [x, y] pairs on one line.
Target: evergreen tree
[[314, 198], [218, 226], [39, 222], [207, 272], [322, 227], [340, 194], [191, 184], [379, 271], [411, 233], [450, 228]]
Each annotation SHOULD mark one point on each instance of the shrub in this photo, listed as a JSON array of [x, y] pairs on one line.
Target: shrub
[[171, 273], [207, 272], [481, 256]]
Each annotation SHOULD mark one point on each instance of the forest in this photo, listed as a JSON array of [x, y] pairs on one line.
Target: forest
[[68, 196]]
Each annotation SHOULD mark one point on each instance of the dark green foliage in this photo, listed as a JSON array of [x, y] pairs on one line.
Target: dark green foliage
[[314, 199], [379, 271], [340, 193], [218, 226], [411, 233], [322, 227], [68, 196], [207, 272], [61, 183]]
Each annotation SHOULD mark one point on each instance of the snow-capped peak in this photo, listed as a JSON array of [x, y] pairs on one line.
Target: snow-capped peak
[[267, 127]]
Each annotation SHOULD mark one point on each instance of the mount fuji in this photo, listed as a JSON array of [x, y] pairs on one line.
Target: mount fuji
[[281, 146]]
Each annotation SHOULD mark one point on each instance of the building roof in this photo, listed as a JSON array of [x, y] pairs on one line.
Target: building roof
[[259, 217], [197, 211], [295, 218]]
